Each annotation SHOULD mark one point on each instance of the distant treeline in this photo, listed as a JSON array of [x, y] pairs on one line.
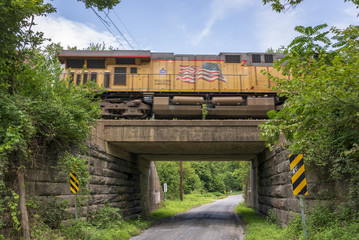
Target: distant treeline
[[203, 176]]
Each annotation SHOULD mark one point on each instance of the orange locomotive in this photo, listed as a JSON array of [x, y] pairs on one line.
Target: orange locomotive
[[142, 83]]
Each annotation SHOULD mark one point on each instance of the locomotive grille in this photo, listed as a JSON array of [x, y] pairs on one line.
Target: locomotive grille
[[95, 63], [93, 77], [268, 58], [233, 58], [107, 80], [85, 78], [256, 58], [75, 63], [134, 70], [127, 61], [78, 79]]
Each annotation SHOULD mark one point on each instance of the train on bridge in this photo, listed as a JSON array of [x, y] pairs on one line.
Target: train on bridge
[[142, 83]]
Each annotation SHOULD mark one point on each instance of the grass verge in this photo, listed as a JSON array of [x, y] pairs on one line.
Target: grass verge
[[257, 227], [171, 207], [323, 223]]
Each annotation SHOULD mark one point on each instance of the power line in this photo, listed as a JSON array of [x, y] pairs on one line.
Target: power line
[[104, 23], [129, 32], [120, 32]]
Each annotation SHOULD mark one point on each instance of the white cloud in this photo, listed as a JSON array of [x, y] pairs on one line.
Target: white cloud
[[219, 9], [274, 30], [71, 33], [349, 16]]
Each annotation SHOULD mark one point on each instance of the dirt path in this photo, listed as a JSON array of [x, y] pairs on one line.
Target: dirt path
[[213, 221]]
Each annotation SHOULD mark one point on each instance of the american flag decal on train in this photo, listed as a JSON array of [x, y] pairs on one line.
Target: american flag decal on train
[[209, 72]]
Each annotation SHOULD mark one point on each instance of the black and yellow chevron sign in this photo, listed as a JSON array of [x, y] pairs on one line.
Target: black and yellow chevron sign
[[298, 174], [74, 182]]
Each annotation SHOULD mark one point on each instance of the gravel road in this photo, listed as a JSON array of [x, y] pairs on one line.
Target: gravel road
[[213, 221]]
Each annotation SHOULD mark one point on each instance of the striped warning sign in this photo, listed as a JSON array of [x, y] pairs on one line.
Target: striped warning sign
[[74, 182], [298, 174]]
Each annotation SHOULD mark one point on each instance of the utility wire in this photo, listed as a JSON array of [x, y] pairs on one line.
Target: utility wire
[[129, 32], [120, 32], [106, 23]]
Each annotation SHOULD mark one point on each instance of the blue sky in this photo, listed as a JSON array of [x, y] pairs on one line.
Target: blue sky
[[191, 26]]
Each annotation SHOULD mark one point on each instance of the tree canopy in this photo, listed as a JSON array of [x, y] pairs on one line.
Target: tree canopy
[[203, 176], [283, 5], [320, 117]]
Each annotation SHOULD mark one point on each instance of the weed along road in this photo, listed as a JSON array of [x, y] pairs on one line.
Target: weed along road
[[213, 221]]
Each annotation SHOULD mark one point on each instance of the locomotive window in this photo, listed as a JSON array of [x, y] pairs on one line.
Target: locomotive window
[[233, 58], [107, 80], [93, 76], [256, 58], [134, 70], [75, 63], [85, 78], [91, 63], [129, 61], [268, 58], [78, 79], [120, 76]]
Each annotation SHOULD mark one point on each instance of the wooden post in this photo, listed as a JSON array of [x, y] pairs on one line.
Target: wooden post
[[22, 204], [181, 181]]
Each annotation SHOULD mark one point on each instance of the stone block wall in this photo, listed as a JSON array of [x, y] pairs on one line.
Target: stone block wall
[[113, 180], [274, 187], [270, 188]]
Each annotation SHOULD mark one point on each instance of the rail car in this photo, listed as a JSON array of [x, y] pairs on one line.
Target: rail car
[[142, 83]]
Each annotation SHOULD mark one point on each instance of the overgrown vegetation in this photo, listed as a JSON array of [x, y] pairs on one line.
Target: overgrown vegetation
[[323, 222], [37, 108], [203, 176], [320, 117]]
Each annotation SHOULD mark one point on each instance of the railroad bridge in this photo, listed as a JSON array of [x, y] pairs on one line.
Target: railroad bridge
[[122, 153], [146, 141]]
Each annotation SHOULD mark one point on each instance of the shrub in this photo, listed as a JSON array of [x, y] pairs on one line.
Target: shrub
[[105, 216], [52, 211]]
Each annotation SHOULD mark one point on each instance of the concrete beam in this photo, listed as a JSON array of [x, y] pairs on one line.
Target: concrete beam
[[187, 140], [181, 130]]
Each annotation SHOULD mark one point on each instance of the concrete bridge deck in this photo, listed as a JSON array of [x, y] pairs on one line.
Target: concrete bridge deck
[[186, 140]]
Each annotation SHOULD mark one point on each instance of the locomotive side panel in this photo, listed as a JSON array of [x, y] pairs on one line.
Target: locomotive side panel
[[162, 75], [238, 77]]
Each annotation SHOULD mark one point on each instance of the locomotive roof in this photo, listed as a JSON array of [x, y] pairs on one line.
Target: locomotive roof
[[154, 55]]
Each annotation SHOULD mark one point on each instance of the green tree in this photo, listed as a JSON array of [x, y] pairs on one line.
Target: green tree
[[320, 117], [311, 40], [191, 181], [278, 50], [99, 47], [283, 5], [36, 108]]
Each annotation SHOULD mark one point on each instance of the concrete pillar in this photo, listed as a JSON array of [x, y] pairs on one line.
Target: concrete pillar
[[249, 193], [252, 186], [151, 190], [254, 170]]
